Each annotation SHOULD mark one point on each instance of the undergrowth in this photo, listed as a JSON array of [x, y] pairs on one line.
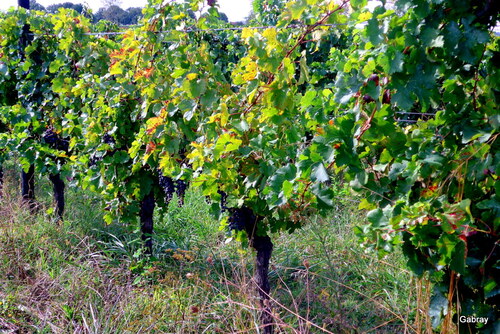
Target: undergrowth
[[83, 276]]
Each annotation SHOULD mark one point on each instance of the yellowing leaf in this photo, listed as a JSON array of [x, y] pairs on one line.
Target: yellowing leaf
[[270, 34], [272, 43], [365, 205], [251, 96], [196, 155], [250, 117], [166, 164], [224, 115], [129, 34], [152, 124], [331, 5], [227, 142], [213, 118], [191, 76], [251, 71], [364, 16], [115, 69], [246, 32], [318, 34], [108, 218]]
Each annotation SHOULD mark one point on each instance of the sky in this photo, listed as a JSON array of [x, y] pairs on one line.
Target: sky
[[236, 10]]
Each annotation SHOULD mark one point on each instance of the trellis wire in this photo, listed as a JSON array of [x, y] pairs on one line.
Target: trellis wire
[[406, 120], [415, 113], [116, 33], [223, 29]]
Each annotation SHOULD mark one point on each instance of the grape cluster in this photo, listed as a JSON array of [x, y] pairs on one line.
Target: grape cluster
[[182, 152], [50, 137], [55, 141], [167, 184], [63, 145], [170, 186], [93, 160], [237, 219], [223, 200], [180, 189], [108, 139]]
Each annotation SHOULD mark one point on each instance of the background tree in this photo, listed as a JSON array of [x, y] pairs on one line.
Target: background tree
[[266, 12], [79, 8], [112, 13], [109, 3], [118, 15], [133, 15], [36, 6]]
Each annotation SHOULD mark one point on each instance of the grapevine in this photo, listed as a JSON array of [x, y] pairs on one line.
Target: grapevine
[[401, 101]]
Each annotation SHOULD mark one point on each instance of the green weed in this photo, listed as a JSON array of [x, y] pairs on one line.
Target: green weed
[[85, 276]]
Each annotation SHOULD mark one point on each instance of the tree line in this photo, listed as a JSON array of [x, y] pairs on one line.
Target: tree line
[[112, 12]]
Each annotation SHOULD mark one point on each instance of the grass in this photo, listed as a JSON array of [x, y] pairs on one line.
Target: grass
[[82, 276]]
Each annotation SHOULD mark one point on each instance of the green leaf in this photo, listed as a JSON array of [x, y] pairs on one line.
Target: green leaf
[[324, 195], [308, 98], [374, 32], [297, 8], [209, 98], [438, 308], [358, 4], [304, 69], [452, 252], [3, 69], [55, 65], [489, 288], [489, 204], [434, 160], [189, 108], [287, 188], [396, 62], [403, 98], [121, 157], [319, 173], [457, 262], [377, 218], [470, 134]]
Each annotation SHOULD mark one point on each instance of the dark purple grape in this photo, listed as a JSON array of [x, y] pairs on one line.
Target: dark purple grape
[[93, 160], [180, 189], [55, 141], [167, 184], [223, 200], [182, 152], [368, 99], [108, 139], [50, 137], [237, 219], [386, 98], [62, 145], [374, 78]]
